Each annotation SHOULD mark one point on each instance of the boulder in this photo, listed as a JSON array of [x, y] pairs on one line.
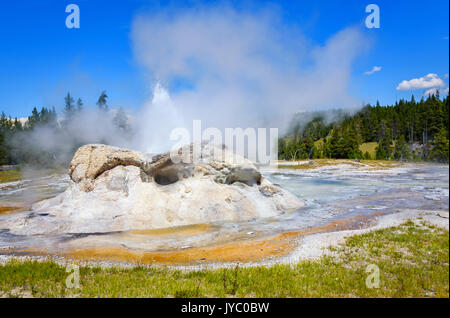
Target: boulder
[[247, 175], [90, 161]]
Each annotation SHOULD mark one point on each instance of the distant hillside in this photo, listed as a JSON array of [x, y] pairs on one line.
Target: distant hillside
[[404, 131]]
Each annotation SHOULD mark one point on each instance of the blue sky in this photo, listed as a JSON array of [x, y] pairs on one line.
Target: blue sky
[[41, 59]]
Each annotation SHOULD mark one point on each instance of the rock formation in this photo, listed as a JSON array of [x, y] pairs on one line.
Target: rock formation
[[114, 189]]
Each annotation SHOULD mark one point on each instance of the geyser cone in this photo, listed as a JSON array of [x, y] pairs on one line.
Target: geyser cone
[[115, 189]]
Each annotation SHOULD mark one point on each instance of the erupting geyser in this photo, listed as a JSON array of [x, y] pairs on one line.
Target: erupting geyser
[[115, 189]]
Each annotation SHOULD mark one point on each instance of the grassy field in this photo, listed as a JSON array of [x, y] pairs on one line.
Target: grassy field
[[413, 261], [369, 147], [10, 176]]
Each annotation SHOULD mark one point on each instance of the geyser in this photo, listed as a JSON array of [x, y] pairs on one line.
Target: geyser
[[114, 189]]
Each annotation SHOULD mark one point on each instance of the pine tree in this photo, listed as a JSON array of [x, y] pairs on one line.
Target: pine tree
[[69, 107], [401, 150], [17, 125], [332, 144], [384, 149], [101, 103], [34, 119], [79, 105], [439, 152], [4, 153], [350, 145]]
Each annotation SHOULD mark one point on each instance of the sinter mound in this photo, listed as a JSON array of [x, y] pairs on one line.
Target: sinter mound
[[115, 189]]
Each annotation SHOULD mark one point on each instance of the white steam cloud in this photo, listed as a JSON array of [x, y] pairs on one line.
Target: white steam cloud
[[239, 69], [227, 68]]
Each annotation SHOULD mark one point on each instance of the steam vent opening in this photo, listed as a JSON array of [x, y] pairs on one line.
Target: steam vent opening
[[167, 175]]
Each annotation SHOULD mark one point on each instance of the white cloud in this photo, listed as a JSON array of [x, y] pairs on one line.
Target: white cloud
[[373, 70], [244, 68], [426, 82]]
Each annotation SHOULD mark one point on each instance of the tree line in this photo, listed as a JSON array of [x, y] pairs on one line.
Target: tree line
[[407, 130], [46, 139]]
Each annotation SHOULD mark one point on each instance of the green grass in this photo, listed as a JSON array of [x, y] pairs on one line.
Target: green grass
[[369, 147], [10, 176], [413, 262]]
